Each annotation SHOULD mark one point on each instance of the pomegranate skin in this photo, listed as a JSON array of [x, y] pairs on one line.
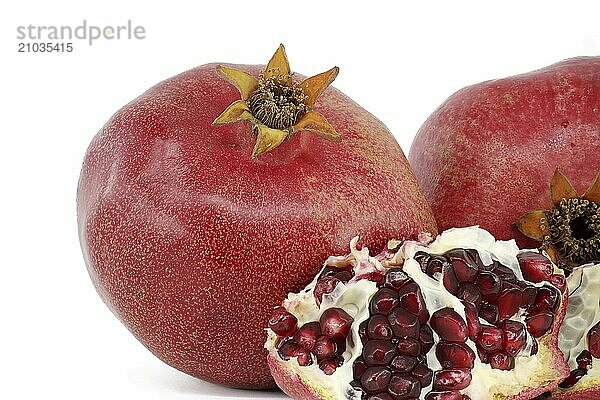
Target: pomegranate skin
[[191, 242], [487, 154], [590, 393]]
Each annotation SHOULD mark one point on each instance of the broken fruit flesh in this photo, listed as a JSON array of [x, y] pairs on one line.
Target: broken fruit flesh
[[579, 337], [426, 342]]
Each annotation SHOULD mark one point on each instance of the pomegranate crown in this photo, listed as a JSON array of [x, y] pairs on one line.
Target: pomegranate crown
[[277, 106], [570, 230]]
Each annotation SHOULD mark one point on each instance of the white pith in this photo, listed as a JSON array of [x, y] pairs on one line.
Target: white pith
[[487, 383], [583, 312]]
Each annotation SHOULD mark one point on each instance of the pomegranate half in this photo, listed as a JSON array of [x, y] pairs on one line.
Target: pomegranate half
[[453, 319], [192, 231]]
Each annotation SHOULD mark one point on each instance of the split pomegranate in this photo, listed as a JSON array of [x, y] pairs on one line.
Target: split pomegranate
[[449, 319], [208, 198], [580, 336]]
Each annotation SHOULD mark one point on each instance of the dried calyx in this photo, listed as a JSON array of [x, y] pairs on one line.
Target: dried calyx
[[464, 317], [277, 106], [570, 231]]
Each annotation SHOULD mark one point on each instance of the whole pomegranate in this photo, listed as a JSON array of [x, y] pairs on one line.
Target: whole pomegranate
[[464, 317], [488, 153], [192, 231]]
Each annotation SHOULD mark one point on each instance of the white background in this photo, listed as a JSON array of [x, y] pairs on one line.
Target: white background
[[57, 339]]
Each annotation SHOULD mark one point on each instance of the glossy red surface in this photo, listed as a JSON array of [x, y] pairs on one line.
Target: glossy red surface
[[191, 243]]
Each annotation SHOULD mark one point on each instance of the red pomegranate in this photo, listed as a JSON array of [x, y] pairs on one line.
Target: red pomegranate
[[454, 319], [488, 153], [192, 231]]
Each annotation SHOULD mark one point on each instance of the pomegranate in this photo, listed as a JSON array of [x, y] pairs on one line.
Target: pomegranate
[[449, 319], [193, 231], [486, 154], [579, 336]]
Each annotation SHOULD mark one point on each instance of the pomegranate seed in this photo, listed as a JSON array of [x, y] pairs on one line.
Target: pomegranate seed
[[380, 396], [423, 259], [395, 278], [404, 324], [328, 366], [464, 266], [383, 301], [449, 325], [343, 275], [534, 348], [404, 363], [362, 331], [502, 361], [289, 349], [307, 334], [474, 254], [404, 386], [451, 379], [304, 358], [483, 356], [593, 338], [547, 299], [375, 379], [408, 347], [378, 327], [509, 302], [489, 285], [584, 360], [335, 323], [358, 368], [426, 339], [489, 312], [451, 395], [469, 293], [411, 299], [436, 265], [573, 378], [528, 295], [559, 281], [282, 322], [515, 337], [422, 372], [504, 273], [534, 266], [490, 339], [539, 324], [473, 324], [378, 352], [325, 285], [454, 355], [449, 279], [324, 347]]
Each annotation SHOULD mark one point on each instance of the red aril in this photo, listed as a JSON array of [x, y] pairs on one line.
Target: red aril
[[390, 353]]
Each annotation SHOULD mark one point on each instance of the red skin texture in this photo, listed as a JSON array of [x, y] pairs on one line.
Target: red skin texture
[[574, 394], [288, 381], [487, 154], [191, 243]]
